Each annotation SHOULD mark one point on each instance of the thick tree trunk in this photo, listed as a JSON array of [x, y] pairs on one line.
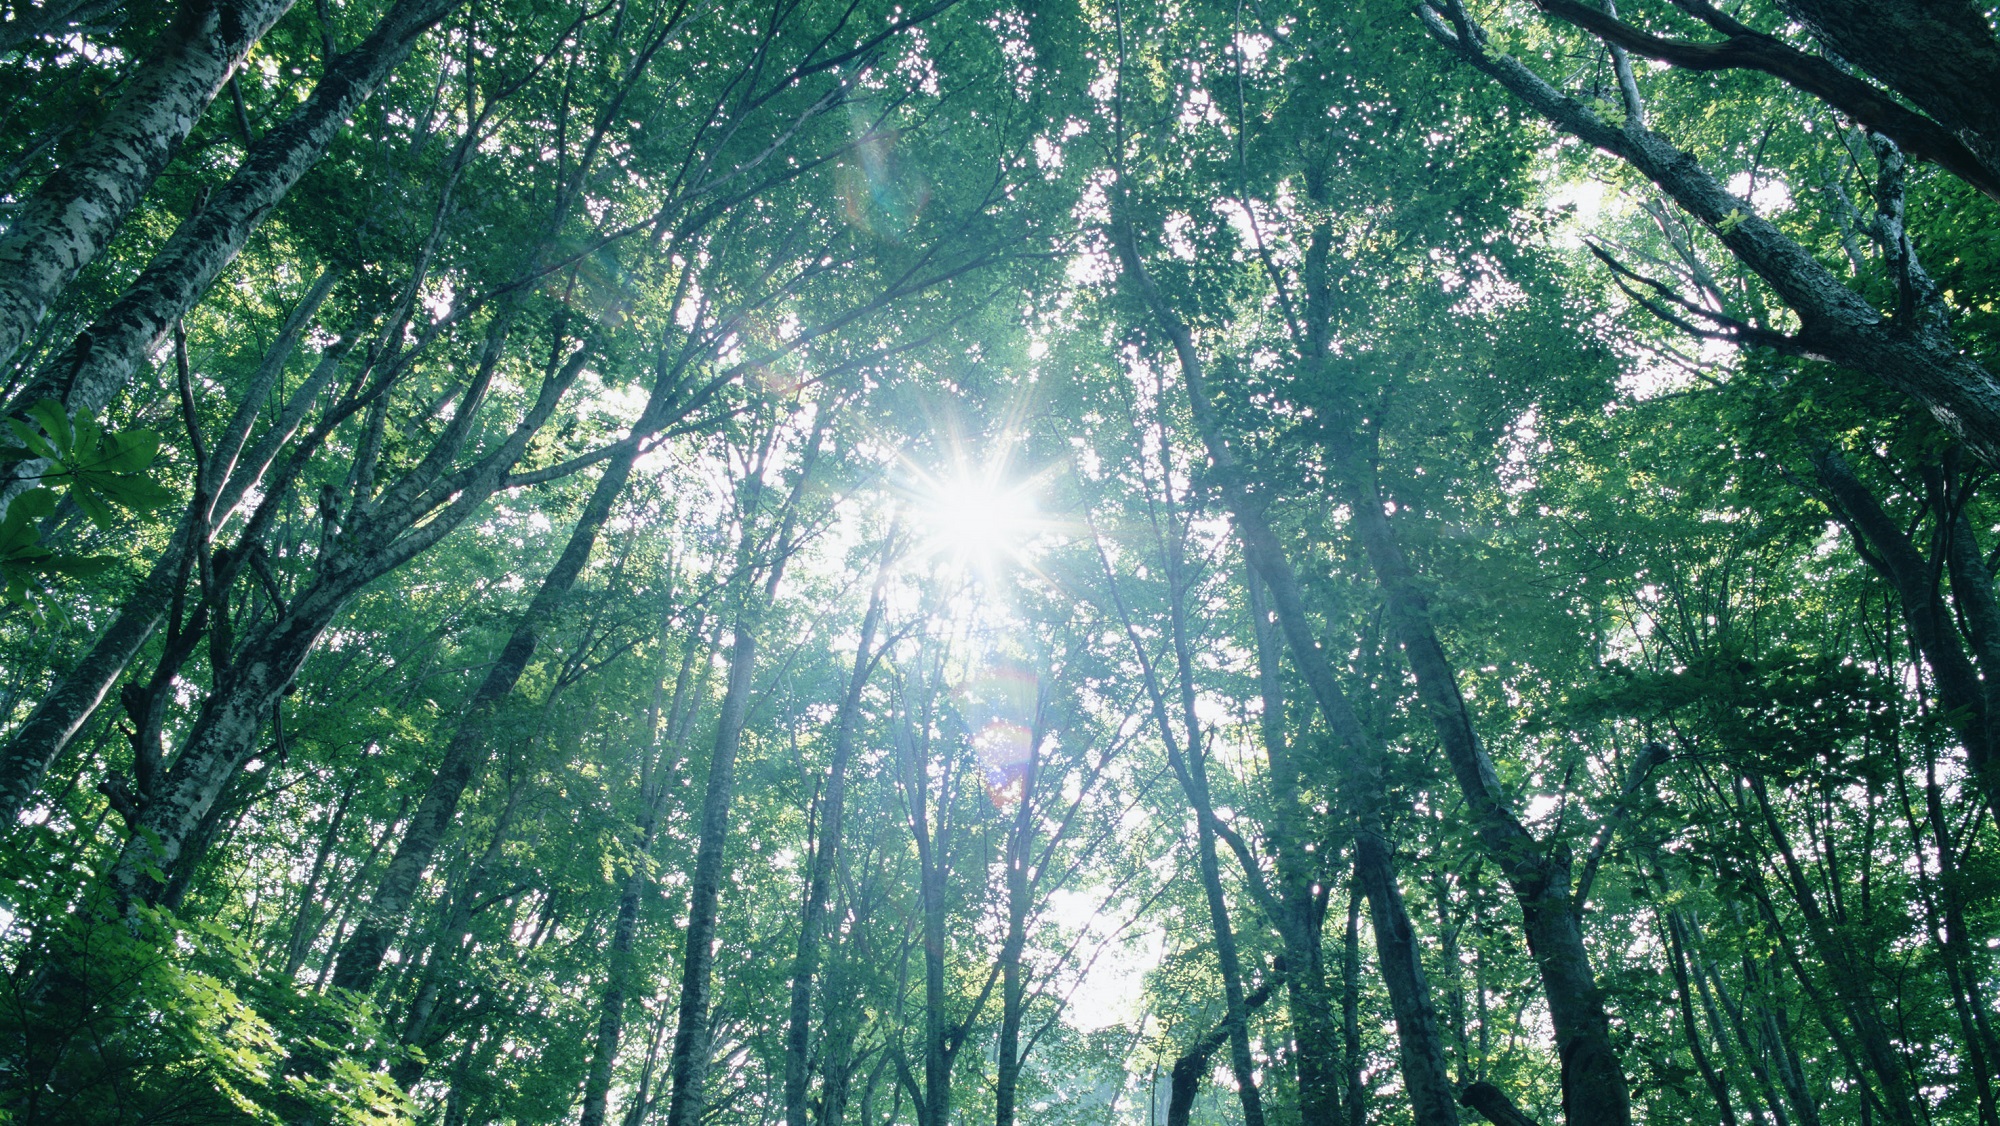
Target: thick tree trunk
[[1940, 54], [72, 216], [361, 957], [97, 364], [1426, 1082], [1191, 1067]]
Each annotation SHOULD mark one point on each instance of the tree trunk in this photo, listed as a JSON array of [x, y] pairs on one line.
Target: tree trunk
[[689, 1061], [361, 957], [1593, 1082], [819, 880], [62, 227], [653, 791], [1914, 355], [1361, 766], [1880, 540], [1426, 1082], [63, 711], [1308, 1000], [97, 364], [1191, 1067], [1940, 54]]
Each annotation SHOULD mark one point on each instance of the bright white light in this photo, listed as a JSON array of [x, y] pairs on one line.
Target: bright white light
[[976, 519]]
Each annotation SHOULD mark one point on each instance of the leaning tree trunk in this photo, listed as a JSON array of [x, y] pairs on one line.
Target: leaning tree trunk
[[1593, 1080], [62, 712], [1889, 550], [222, 737], [361, 958], [87, 374], [1915, 355], [62, 227]]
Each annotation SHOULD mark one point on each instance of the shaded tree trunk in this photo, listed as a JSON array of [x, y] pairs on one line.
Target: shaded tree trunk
[[470, 746], [819, 880], [93, 368]]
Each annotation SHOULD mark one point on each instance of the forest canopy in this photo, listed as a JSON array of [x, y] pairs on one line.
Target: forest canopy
[[1111, 562]]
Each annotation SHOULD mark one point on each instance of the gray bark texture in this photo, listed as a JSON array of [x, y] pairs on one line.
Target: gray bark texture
[[223, 736], [691, 1040], [62, 712], [73, 215], [86, 374], [1940, 54]]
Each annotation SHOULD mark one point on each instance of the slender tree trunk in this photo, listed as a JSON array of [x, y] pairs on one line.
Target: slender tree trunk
[[1362, 765], [1309, 1002], [63, 711], [1350, 1009], [819, 879], [1881, 541], [1013, 987], [689, 1061], [1594, 1088], [62, 227], [361, 957], [688, 1064], [654, 791], [1718, 1086]]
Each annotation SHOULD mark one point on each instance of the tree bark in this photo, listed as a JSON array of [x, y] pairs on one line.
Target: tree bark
[[62, 712], [1881, 542], [361, 957], [62, 227], [1593, 1081], [819, 880], [1940, 54], [98, 362], [1192, 1066], [1914, 355], [1361, 766], [689, 1061]]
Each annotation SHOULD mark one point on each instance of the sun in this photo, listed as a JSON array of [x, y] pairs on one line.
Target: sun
[[976, 518]]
